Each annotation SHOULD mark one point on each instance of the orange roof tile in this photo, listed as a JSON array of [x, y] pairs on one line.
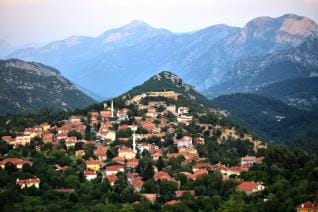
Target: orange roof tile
[[15, 161], [161, 175], [247, 186]]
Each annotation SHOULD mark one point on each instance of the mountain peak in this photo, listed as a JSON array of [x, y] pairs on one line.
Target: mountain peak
[[168, 81], [136, 24], [134, 32], [36, 68], [289, 29], [167, 75], [171, 78], [293, 16], [298, 25]]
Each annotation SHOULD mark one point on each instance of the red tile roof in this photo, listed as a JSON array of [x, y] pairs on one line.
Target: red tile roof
[[122, 127], [247, 186], [161, 175], [7, 138], [133, 163], [15, 161], [147, 125], [132, 175], [118, 159], [179, 193], [198, 173], [150, 197], [93, 162], [308, 205], [171, 202], [28, 181], [137, 183], [88, 172], [202, 166], [101, 150], [114, 168], [112, 178]]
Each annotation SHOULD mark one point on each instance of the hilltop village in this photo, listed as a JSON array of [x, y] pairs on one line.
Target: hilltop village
[[154, 150], [148, 141]]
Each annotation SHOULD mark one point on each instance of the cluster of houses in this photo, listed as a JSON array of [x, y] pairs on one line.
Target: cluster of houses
[[180, 112], [108, 122], [50, 134]]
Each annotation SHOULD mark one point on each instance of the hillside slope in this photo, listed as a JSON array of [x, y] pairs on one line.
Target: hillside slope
[[273, 119], [168, 81], [301, 92], [30, 87]]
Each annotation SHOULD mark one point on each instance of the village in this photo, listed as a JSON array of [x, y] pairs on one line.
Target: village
[[120, 139]]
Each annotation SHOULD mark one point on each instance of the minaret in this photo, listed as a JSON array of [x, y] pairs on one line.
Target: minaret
[[134, 128], [112, 108]]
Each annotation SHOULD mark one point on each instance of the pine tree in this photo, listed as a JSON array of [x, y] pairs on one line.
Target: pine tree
[[148, 172], [160, 163]]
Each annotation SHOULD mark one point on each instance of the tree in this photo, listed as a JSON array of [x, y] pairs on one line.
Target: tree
[[4, 147], [10, 168], [110, 153], [148, 172], [146, 153], [121, 183], [171, 117], [8, 197], [72, 181], [149, 186], [27, 168], [128, 195], [234, 204], [76, 134], [160, 163], [141, 130], [89, 151], [167, 189]]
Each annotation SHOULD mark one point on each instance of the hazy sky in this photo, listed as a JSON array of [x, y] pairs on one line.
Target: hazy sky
[[25, 21]]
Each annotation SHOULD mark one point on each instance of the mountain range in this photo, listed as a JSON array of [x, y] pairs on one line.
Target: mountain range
[[31, 87], [121, 58], [254, 72]]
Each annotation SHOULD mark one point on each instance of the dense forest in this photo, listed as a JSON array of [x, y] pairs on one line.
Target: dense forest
[[301, 92], [273, 119]]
